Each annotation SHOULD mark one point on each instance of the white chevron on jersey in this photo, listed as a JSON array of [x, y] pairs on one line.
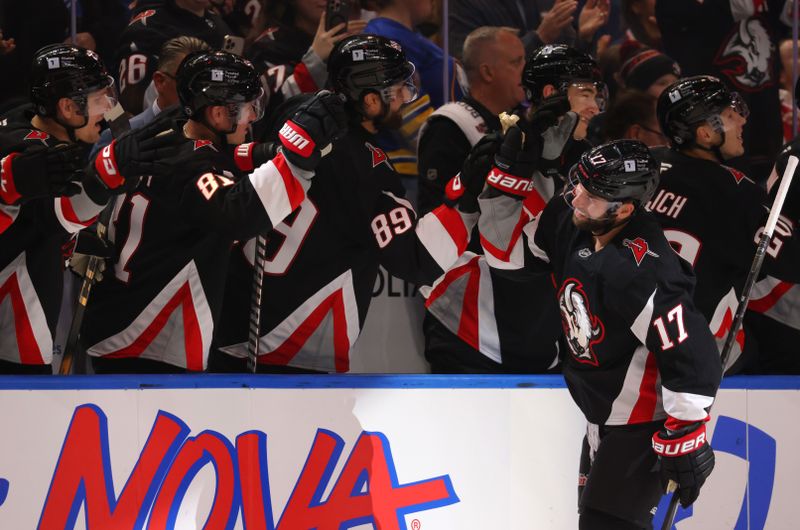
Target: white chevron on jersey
[[686, 406], [322, 329], [176, 326], [721, 322], [24, 334], [76, 212], [444, 232], [8, 214], [278, 188]]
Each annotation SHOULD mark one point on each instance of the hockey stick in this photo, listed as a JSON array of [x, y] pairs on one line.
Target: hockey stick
[[744, 298], [119, 124], [255, 303]]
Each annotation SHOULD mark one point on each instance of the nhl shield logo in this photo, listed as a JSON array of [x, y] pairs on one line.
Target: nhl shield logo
[[582, 329], [640, 249]]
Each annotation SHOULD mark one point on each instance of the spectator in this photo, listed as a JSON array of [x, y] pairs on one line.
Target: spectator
[[646, 69], [640, 17], [633, 116], [786, 90]]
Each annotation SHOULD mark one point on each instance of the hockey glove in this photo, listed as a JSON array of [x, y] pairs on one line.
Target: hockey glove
[[41, 172], [464, 188], [251, 155], [686, 458], [120, 165], [513, 167], [309, 134]]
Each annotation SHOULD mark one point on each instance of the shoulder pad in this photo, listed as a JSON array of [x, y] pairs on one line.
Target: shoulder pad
[[467, 118]]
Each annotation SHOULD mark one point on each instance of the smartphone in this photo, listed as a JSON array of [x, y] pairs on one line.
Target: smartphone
[[337, 12], [233, 44]]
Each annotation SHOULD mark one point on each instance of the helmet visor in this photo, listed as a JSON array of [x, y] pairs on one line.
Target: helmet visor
[[588, 90], [248, 111], [101, 99], [587, 204], [406, 90]]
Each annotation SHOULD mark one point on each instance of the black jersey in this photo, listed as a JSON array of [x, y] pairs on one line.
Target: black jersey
[[322, 262], [172, 239], [638, 349], [713, 216], [153, 24], [31, 266]]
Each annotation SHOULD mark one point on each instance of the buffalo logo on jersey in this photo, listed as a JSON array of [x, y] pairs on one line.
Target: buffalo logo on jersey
[[640, 249], [746, 57], [582, 329], [378, 156], [142, 17]]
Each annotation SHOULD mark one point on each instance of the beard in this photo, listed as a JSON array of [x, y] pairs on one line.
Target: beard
[[596, 227], [392, 121]]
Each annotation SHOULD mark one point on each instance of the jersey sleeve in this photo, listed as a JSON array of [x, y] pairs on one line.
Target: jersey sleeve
[[665, 320], [249, 206], [8, 214]]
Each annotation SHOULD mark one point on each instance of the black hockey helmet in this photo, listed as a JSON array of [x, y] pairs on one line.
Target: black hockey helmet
[[693, 101], [618, 171], [217, 78], [66, 71], [558, 65], [369, 63]]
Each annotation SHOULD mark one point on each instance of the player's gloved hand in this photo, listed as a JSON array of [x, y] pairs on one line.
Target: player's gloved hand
[[309, 134], [120, 165], [686, 458], [512, 171], [251, 155], [464, 188], [41, 172], [548, 113], [551, 127]]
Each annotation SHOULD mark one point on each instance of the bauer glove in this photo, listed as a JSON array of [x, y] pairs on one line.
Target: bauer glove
[[686, 458], [309, 134]]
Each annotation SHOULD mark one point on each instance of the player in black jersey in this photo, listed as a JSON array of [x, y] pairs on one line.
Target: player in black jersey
[[711, 213], [172, 237], [323, 260], [641, 363], [46, 196], [152, 24]]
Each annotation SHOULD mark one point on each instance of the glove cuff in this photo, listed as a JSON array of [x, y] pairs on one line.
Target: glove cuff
[[105, 164], [508, 183], [663, 445], [243, 156], [8, 190]]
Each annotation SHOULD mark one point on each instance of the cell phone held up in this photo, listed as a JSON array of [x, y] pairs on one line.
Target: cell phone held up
[[233, 44], [337, 12]]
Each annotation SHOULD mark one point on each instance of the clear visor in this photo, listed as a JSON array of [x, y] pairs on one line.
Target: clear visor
[[585, 91], [582, 201], [249, 111], [100, 101], [406, 91], [738, 106]]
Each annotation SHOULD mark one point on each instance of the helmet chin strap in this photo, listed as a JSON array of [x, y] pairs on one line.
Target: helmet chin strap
[[600, 227]]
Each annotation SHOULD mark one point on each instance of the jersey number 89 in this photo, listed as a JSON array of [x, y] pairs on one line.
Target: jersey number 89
[[386, 226]]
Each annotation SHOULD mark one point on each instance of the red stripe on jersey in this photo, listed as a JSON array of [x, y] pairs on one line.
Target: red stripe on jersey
[[303, 78], [192, 338], [29, 352], [5, 221], [294, 190], [534, 203], [468, 329], [334, 304], [674, 424], [645, 406], [765, 303], [727, 321], [70, 215], [8, 190], [454, 226], [504, 255]]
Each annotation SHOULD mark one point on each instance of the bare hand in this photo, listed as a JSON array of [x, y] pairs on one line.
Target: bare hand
[[6, 45], [555, 20], [325, 40], [593, 16]]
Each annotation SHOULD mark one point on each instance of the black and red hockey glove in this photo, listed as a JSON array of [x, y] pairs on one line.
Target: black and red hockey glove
[[41, 172], [251, 155], [120, 165], [309, 134], [686, 458], [514, 163], [464, 188]]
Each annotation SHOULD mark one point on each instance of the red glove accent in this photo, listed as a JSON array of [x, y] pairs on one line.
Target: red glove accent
[[684, 445], [243, 156], [106, 165], [508, 183], [454, 189], [8, 191], [296, 139]]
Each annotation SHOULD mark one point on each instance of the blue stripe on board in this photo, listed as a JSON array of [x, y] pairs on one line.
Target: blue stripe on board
[[110, 382]]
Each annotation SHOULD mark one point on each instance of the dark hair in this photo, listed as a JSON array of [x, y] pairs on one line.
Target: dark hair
[[631, 107]]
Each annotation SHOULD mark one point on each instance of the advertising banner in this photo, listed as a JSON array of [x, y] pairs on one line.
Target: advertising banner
[[341, 452]]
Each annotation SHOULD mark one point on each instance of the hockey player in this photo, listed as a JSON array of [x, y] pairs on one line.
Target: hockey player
[[157, 310], [482, 321], [41, 170], [153, 23], [641, 363], [322, 262], [713, 214]]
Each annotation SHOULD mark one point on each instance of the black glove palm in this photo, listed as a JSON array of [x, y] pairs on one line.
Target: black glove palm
[[309, 134], [43, 172], [473, 173]]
